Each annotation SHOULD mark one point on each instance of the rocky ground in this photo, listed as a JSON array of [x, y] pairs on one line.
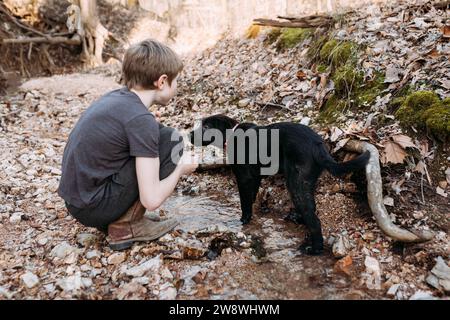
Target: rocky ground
[[46, 254]]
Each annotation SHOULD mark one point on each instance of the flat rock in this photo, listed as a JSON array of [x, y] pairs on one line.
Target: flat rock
[[30, 279]]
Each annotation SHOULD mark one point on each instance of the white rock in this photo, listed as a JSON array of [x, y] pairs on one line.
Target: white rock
[[393, 290], [93, 254], [341, 246], [141, 280], [42, 241], [74, 282], [30, 279], [117, 258], [15, 218], [167, 292], [422, 295], [71, 283], [305, 121], [165, 273], [62, 250], [440, 275], [373, 270], [5, 293], [151, 265], [244, 102], [166, 238]]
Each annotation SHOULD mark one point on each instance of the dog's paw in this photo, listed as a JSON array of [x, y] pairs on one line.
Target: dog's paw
[[246, 220], [308, 249]]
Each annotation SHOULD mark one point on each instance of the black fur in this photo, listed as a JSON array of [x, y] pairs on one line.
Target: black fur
[[303, 157]]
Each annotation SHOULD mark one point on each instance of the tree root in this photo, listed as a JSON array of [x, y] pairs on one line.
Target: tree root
[[375, 197]]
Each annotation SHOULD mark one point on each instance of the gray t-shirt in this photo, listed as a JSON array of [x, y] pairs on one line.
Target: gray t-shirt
[[113, 129]]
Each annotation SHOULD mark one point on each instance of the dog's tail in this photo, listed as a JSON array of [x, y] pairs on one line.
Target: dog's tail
[[324, 158]]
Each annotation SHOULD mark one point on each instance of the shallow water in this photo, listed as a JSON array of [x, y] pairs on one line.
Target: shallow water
[[284, 272]]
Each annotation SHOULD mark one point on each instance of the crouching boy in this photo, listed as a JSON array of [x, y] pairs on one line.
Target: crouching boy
[[119, 161]]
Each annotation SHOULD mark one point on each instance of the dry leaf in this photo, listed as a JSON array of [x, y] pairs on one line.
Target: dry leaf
[[340, 144], [404, 141], [388, 201], [422, 168], [335, 134], [445, 31], [441, 192], [301, 75], [393, 153]]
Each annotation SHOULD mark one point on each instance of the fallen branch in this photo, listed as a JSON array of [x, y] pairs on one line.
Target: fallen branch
[[51, 40], [375, 197], [312, 21]]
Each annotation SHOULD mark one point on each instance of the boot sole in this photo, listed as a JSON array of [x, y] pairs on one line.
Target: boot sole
[[126, 244]]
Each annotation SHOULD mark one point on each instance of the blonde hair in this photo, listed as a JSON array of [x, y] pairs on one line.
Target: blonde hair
[[145, 62]]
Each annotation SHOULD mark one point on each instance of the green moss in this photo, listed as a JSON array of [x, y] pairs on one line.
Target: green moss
[[410, 112], [337, 52], [424, 110], [315, 47], [346, 79], [368, 92], [290, 37], [333, 108], [322, 68], [272, 35]]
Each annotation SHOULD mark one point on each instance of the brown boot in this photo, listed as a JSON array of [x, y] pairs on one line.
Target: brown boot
[[133, 226]]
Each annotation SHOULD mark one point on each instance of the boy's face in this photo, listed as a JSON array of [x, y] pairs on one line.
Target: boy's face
[[165, 91]]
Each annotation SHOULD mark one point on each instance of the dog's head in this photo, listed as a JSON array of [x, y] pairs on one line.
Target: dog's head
[[210, 128]]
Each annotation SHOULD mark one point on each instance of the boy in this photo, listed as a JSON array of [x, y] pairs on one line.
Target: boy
[[118, 160]]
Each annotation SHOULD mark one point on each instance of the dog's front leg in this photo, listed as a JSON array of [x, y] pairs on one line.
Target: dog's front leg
[[248, 188]]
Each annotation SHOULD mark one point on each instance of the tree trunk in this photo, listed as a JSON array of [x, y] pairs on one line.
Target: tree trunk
[[94, 33]]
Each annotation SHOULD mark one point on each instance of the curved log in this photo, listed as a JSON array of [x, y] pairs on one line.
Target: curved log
[[375, 197]]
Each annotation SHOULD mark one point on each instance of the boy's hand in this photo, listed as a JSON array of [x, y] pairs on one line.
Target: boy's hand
[[158, 116], [188, 163]]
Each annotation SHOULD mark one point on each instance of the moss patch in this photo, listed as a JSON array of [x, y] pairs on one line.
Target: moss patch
[[272, 35], [290, 37], [424, 110], [337, 52]]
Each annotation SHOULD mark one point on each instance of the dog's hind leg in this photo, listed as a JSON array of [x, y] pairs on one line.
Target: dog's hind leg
[[301, 185]]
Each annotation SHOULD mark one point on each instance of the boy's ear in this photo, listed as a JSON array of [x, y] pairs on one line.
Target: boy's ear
[[161, 81]]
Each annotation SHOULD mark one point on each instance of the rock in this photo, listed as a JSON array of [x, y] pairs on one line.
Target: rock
[[373, 270], [74, 282], [422, 295], [30, 279], [5, 293], [439, 277], [341, 246], [166, 274], [167, 292], [244, 102], [42, 241], [151, 265], [93, 254], [62, 250], [166, 238], [86, 239], [131, 291], [393, 290], [305, 121], [117, 258], [15, 218]]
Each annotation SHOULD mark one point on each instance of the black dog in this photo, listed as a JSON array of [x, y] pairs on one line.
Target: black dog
[[302, 158]]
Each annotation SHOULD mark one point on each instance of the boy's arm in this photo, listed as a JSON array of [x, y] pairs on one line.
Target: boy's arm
[[152, 191]]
